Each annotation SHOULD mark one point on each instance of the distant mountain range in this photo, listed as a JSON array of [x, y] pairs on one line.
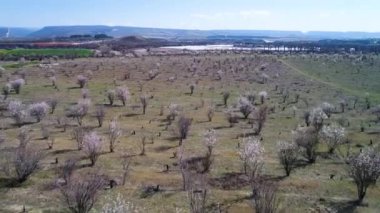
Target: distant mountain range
[[175, 34]]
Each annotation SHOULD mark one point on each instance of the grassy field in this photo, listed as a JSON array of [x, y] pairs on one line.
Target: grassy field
[[307, 189], [48, 52]]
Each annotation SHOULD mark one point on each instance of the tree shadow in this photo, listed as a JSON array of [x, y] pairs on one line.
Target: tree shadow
[[343, 206], [131, 115], [230, 181], [164, 148], [9, 182]]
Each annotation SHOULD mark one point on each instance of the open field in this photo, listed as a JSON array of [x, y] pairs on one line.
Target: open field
[[309, 188]]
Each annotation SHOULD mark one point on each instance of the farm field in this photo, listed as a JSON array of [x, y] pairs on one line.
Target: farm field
[[294, 84], [46, 52]]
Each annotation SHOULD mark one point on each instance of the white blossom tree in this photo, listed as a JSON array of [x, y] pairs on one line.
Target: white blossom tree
[[210, 139], [332, 136], [252, 156], [245, 106], [364, 168], [38, 110], [92, 146], [114, 133], [122, 93], [17, 111]]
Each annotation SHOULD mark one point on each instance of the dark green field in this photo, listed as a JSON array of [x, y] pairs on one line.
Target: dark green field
[[78, 52]]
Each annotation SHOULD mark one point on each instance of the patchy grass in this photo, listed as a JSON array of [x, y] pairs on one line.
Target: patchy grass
[[309, 188]]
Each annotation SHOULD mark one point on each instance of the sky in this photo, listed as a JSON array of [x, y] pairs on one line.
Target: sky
[[301, 15]]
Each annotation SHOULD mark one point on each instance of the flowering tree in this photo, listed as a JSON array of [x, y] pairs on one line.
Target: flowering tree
[[79, 111], [245, 107], [252, 155], [38, 110], [210, 113], [231, 117], [209, 139], [287, 155], [263, 95], [114, 132], [122, 93], [332, 136], [17, 111], [119, 205], [17, 84], [82, 80], [26, 162], [364, 168], [260, 118], [92, 146], [327, 108], [317, 117], [174, 110]]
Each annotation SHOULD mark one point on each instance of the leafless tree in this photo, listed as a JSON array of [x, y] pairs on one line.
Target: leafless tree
[[265, 198], [231, 117], [52, 104], [143, 143], [111, 96], [80, 194], [144, 102], [197, 192], [67, 170], [287, 155], [24, 137], [210, 113], [192, 87], [79, 111], [307, 139], [78, 135], [100, 113], [260, 118], [26, 162], [226, 95], [126, 162], [183, 128]]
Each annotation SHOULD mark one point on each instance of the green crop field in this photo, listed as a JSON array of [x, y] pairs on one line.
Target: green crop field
[[46, 52]]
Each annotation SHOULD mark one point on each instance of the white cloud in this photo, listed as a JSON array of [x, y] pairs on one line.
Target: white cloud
[[246, 14]]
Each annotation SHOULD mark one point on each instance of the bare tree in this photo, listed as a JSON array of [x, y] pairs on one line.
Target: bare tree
[[67, 170], [265, 198], [52, 104], [79, 111], [287, 155], [210, 140], [126, 162], [111, 96], [231, 117], [78, 135], [144, 102], [307, 139], [260, 118], [183, 128], [364, 168], [192, 87], [210, 113], [100, 113], [26, 162], [92, 146], [197, 192], [226, 95], [114, 133], [80, 194]]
